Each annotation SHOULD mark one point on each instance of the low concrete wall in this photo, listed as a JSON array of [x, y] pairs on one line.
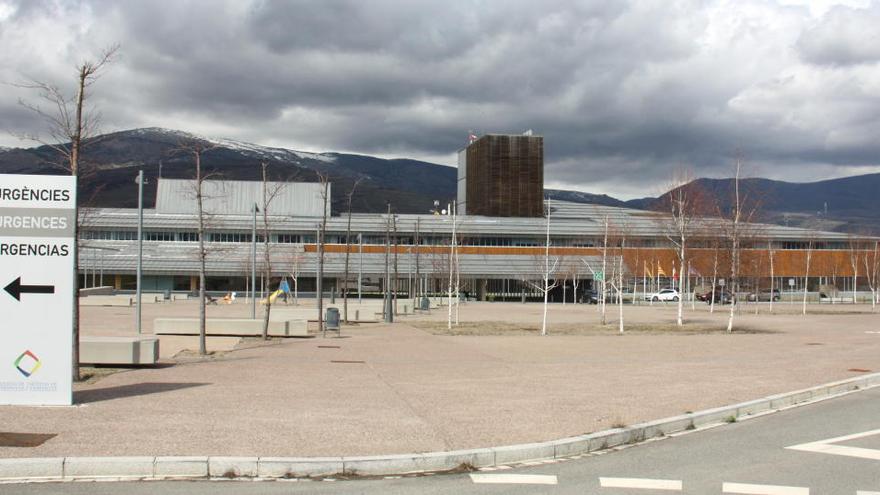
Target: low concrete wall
[[104, 290], [230, 326], [118, 350], [106, 301], [355, 313], [120, 300]]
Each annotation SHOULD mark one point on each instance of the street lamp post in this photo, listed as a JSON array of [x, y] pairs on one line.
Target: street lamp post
[[254, 265], [360, 264], [140, 260]]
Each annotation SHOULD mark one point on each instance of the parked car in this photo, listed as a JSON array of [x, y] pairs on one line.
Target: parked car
[[664, 295], [765, 295], [721, 297], [591, 297], [705, 293]]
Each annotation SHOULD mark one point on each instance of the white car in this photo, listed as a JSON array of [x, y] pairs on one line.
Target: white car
[[664, 295]]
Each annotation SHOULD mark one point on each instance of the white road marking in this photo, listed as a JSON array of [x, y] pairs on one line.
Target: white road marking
[[870, 331], [519, 479], [748, 489], [827, 447], [644, 483], [861, 492]]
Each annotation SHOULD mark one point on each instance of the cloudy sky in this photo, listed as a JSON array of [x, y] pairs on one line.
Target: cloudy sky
[[624, 93]]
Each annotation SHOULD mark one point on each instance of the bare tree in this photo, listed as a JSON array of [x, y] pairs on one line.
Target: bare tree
[[547, 274], [324, 180], [807, 272], [270, 192], [574, 269], [451, 286], [770, 254], [682, 203], [855, 252], [618, 269], [386, 303], [604, 280], [295, 262], [417, 247], [872, 271], [71, 126], [396, 273], [196, 149], [737, 222], [346, 277]]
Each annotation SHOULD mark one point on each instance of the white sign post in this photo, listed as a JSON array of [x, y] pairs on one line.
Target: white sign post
[[37, 222]]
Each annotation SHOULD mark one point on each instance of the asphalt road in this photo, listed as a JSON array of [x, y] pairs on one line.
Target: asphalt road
[[735, 458]]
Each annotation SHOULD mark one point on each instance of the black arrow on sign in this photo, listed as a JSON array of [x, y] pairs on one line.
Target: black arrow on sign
[[16, 289]]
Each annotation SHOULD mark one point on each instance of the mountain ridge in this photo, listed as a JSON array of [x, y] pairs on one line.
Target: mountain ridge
[[411, 186]]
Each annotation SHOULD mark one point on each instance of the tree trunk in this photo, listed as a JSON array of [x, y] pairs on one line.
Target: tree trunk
[[320, 276], [772, 276], [203, 350], [681, 260], [346, 277], [604, 266], [807, 275], [734, 266], [267, 260], [620, 288]]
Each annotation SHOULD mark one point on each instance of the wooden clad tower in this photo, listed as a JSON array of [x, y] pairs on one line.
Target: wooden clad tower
[[503, 176]]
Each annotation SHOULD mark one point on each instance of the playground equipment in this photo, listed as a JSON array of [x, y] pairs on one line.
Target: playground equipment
[[272, 297]]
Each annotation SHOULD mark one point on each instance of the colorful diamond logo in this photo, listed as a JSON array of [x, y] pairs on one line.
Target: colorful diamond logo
[[28, 363]]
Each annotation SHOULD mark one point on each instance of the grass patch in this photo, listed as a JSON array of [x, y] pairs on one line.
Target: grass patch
[[489, 328]]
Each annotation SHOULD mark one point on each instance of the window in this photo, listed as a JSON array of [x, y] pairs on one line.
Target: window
[[230, 237], [108, 235], [289, 238], [159, 236]]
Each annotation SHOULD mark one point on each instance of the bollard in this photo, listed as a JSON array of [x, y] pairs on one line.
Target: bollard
[[357, 315], [404, 309]]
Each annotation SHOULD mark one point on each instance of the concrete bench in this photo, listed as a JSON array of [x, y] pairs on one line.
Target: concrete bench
[[118, 350], [242, 327]]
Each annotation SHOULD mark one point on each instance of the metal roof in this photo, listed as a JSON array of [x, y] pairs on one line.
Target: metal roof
[[572, 220], [238, 197]]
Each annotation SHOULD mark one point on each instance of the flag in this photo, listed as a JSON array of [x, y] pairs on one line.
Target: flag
[[471, 137], [647, 271], [660, 271]]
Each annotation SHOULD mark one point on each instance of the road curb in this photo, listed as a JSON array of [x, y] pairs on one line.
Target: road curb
[[41, 469]]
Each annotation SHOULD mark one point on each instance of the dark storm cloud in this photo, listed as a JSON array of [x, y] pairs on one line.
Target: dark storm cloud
[[623, 92]]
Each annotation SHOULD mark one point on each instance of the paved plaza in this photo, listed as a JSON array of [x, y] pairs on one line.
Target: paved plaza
[[406, 387]]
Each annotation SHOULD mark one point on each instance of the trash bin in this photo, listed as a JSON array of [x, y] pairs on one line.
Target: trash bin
[[331, 319], [167, 294], [425, 304]]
